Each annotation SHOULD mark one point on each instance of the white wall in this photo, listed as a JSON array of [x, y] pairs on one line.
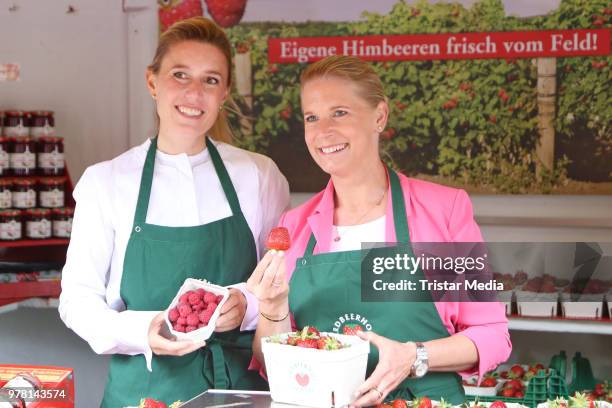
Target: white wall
[[74, 64], [88, 67]]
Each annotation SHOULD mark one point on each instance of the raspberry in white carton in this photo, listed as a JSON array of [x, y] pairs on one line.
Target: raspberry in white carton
[[324, 374], [195, 309]]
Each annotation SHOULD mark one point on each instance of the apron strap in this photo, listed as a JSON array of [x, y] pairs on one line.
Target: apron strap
[[226, 181], [311, 244], [146, 180], [402, 233], [400, 220], [220, 379]]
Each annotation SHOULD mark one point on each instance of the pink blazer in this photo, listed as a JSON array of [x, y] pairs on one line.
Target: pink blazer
[[435, 214]]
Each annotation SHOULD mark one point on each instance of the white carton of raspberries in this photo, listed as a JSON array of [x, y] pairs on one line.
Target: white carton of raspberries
[[194, 310]]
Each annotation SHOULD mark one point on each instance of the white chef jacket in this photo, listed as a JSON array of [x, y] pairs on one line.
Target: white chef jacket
[[185, 192]]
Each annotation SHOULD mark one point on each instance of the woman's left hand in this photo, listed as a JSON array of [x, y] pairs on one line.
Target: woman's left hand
[[232, 312], [394, 362]]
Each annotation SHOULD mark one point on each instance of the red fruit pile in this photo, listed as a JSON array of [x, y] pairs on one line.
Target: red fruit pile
[[513, 389], [278, 239], [310, 337], [194, 310], [542, 284]]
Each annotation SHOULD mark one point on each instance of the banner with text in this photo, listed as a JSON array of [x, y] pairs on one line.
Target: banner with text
[[519, 44]]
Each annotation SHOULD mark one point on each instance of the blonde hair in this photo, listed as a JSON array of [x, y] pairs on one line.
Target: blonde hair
[[203, 30], [369, 85]]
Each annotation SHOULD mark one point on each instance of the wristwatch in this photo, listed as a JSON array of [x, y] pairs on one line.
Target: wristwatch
[[421, 364]]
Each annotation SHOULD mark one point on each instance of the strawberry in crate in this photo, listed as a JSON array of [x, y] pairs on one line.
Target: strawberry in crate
[[312, 368], [310, 337]]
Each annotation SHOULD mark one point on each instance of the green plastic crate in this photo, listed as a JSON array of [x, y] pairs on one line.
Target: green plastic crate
[[535, 393], [582, 374]]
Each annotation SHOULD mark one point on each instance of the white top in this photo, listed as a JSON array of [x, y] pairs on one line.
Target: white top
[[185, 192], [352, 236]]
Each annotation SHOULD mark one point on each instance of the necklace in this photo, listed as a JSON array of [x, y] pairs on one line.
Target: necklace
[[338, 236]]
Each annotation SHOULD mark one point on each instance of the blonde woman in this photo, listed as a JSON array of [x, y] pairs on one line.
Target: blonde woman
[[186, 204], [421, 347]]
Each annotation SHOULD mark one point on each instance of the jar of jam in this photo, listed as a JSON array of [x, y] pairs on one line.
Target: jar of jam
[[4, 155], [10, 225], [38, 223], [24, 193], [6, 187], [22, 156], [51, 156], [62, 222], [42, 124], [15, 124], [51, 192]]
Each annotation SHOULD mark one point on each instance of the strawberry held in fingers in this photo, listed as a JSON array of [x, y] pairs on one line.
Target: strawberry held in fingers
[[278, 239]]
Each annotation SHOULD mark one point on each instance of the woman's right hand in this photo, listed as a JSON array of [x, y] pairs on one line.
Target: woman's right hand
[[163, 346], [269, 285]]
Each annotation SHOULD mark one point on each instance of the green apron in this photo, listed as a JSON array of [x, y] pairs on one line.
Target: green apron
[[319, 279], [158, 259]]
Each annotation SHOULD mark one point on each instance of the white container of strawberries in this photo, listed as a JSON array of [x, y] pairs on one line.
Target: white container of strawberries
[[195, 309], [315, 370]]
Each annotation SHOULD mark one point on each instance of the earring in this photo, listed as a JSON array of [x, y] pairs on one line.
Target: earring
[[220, 108], [154, 96], [380, 129]]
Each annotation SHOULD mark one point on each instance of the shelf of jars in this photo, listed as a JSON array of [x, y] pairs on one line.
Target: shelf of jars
[[36, 204], [36, 207]]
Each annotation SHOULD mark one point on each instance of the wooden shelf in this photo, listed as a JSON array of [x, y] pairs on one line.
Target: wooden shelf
[[561, 325]]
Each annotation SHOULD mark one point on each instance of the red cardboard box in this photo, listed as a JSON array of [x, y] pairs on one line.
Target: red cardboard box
[[57, 382]]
